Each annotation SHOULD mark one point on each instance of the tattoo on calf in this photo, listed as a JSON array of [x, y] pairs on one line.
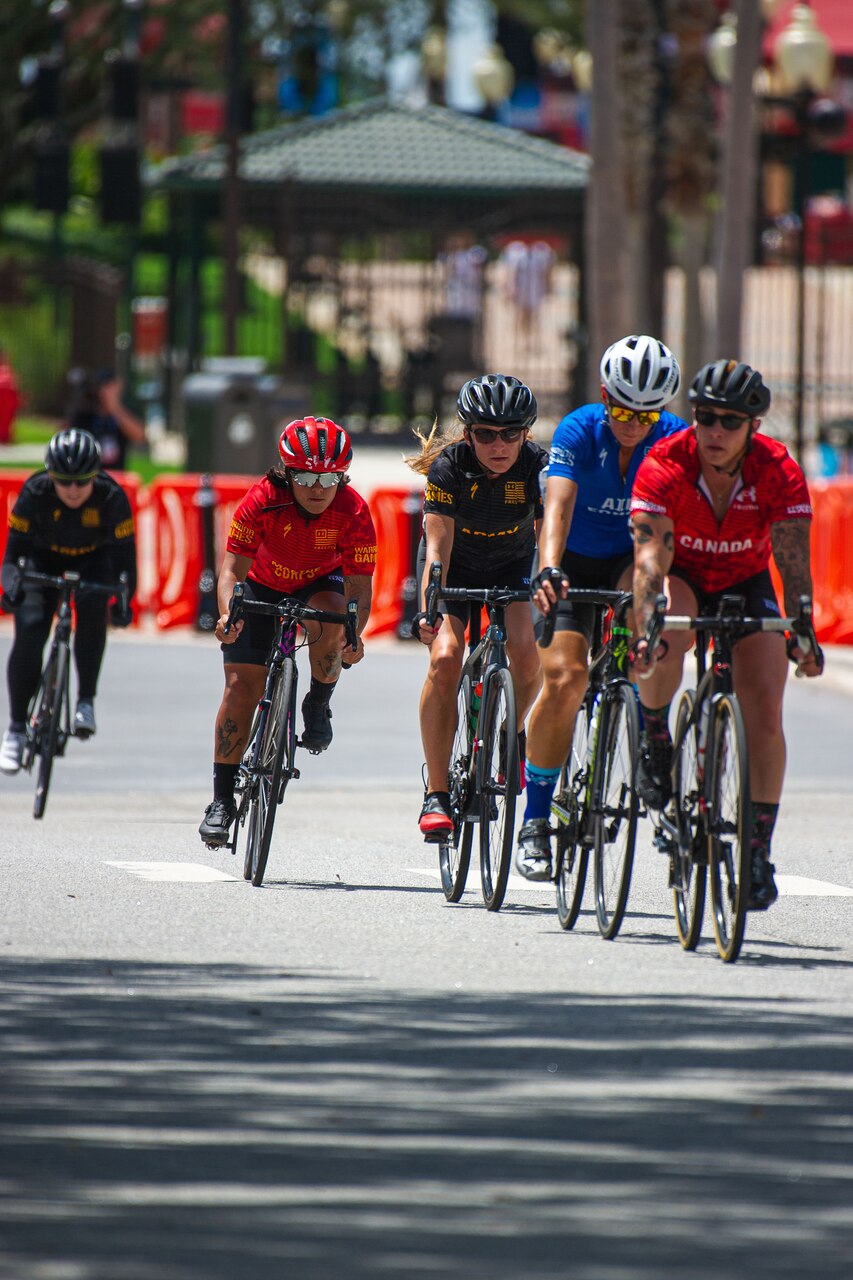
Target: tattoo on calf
[[226, 743]]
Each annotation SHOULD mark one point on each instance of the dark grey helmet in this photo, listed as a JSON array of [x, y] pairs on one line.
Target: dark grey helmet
[[73, 453], [728, 384], [497, 400]]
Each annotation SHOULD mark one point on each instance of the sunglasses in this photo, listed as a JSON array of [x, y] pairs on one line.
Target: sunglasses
[[620, 413], [325, 479], [487, 435], [68, 482], [728, 421]]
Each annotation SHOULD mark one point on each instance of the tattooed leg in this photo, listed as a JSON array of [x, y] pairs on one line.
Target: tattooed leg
[[228, 740]]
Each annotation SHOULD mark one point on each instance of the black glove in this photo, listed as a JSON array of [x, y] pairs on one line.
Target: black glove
[[418, 619], [119, 615], [12, 600], [553, 575]]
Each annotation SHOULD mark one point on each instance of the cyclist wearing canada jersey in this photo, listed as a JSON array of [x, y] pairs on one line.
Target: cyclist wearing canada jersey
[[71, 516], [299, 532], [708, 507], [586, 543], [481, 507]]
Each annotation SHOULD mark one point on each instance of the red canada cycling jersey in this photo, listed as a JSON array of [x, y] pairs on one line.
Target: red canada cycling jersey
[[290, 548], [716, 554]]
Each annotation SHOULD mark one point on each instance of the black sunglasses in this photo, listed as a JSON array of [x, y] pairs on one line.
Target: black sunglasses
[[728, 421], [487, 435]]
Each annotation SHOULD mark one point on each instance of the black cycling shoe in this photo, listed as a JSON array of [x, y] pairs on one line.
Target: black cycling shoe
[[762, 892], [217, 819], [317, 718], [654, 785]]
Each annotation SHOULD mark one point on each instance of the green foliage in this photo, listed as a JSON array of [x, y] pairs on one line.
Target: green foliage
[[38, 350]]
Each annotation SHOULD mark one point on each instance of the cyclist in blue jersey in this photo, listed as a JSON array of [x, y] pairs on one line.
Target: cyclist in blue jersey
[[586, 543]]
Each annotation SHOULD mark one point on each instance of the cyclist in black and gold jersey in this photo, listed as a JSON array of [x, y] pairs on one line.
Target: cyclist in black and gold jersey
[[69, 516], [481, 510]]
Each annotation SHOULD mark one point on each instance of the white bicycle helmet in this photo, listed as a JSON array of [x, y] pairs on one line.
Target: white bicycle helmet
[[640, 372]]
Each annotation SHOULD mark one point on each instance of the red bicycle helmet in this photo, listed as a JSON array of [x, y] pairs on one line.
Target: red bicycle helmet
[[315, 444]]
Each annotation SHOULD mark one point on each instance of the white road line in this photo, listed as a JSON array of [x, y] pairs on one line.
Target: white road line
[[514, 882], [788, 886], [187, 872], [803, 887]]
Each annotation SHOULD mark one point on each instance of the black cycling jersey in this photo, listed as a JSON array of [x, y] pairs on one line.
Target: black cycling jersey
[[42, 526], [493, 519]]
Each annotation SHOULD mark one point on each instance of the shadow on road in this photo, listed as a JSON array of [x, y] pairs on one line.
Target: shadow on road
[[165, 1122]]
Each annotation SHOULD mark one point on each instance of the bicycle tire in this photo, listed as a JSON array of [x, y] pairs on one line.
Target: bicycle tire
[[572, 854], [499, 788], [270, 764], [689, 876], [454, 855], [729, 827], [48, 732], [617, 806], [250, 786]]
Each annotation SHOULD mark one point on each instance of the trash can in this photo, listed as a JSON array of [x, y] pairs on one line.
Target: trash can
[[227, 418]]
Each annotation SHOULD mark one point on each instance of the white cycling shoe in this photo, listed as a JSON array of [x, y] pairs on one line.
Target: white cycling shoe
[[12, 751]]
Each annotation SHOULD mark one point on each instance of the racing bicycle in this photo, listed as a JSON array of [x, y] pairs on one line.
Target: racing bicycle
[[49, 715], [485, 765], [706, 830], [595, 804], [269, 761]]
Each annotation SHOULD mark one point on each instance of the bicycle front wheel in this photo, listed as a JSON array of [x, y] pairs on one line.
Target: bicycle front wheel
[[617, 807], [729, 827], [570, 800], [454, 855], [499, 787], [688, 875], [268, 780], [48, 724]]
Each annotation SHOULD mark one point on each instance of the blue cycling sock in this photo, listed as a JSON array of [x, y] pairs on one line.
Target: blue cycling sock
[[540, 790]]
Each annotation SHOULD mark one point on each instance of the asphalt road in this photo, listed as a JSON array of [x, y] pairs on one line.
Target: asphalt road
[[341, 1076]]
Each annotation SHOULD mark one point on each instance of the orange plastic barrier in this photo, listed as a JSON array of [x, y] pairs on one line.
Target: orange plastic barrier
[[176, 548], [832, 560], [10, 486], [393, 511]]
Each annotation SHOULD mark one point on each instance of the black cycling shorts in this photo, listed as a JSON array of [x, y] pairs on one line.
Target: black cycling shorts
[[758, 593], [515, 575], [255, 641], [588, 573]]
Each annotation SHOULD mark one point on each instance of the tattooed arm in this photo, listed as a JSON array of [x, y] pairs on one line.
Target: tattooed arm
[[358, 587], [790, 540], [654, 544]]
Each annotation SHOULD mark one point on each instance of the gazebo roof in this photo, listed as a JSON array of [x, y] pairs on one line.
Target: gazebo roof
[[386, 166], [392, 147]]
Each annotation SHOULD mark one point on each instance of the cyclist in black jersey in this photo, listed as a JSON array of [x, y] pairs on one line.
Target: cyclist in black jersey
[[69, 516], [481, 511]]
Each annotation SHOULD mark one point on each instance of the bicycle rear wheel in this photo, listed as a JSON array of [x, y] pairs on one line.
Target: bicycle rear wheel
[[500, 787], [269, 782], [688, 876], [729, 827], [454, 855], [617, 806], [48, 718], [572, 853]]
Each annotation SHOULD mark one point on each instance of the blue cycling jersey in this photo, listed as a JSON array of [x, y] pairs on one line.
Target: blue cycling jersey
[[585, 450]]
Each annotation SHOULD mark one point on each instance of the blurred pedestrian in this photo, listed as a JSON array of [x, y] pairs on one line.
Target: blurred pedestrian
[[97, 407]]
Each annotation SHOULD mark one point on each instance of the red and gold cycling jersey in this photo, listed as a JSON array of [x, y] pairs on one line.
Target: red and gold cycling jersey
[[289, 547], [718, 554]]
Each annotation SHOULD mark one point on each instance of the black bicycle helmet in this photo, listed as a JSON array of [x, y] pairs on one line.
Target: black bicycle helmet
[[728, 384], [74, 454], [497, 400]]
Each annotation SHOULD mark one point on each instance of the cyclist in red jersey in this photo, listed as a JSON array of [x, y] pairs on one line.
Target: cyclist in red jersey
[[708, 507], [301, 532]]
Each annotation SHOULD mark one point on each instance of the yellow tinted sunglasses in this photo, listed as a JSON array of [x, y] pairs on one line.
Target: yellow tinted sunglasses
[[620, 413]]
